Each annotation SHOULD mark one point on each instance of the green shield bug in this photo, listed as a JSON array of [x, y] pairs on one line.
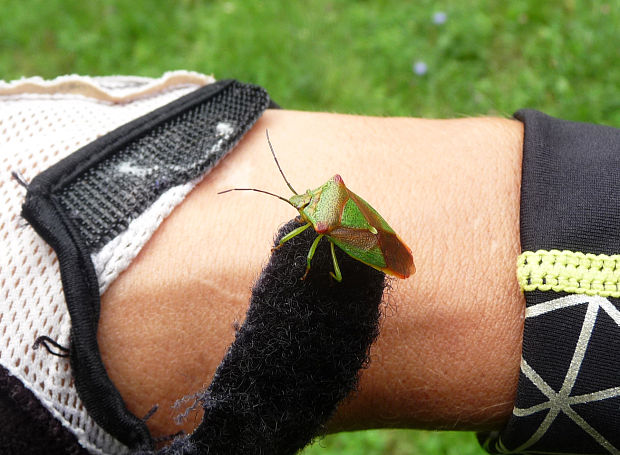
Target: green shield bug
[[347, 221]]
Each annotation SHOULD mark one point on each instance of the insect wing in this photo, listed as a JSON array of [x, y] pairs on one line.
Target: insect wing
[[360, 244], [396, 254]]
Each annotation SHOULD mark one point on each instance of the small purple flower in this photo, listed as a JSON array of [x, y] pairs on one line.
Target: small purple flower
[[420, 68], [439, 18]]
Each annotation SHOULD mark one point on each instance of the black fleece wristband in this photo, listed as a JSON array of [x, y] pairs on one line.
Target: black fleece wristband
[[295, 358]]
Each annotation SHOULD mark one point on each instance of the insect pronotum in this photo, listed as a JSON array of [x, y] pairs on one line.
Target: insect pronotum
[[347, 221]]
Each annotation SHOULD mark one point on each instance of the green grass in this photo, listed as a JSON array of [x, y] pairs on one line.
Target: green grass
[[396, 442], [489, 57], [338, 55]]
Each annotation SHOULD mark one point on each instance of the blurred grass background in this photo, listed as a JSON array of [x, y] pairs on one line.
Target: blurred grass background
[[448, 58], [485, 57]]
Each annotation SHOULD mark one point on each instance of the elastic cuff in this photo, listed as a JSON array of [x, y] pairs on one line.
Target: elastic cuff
[[569, 386]]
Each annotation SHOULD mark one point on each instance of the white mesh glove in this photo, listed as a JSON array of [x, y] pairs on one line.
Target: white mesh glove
[[42, 122]]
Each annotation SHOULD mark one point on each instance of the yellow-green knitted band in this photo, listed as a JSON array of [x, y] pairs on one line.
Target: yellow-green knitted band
[[568, 271]]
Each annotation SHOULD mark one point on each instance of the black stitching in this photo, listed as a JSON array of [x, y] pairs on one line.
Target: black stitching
[[45, 341], [17, 176], [149, 414]]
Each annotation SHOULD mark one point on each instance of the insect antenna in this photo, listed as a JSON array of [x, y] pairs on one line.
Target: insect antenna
[[258, 191], [278, 164]]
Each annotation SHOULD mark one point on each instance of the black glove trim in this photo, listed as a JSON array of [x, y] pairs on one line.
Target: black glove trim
[[82, 202]]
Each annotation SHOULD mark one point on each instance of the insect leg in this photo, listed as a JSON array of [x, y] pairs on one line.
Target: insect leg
[[338, 275], [311, 254], [292, 234]]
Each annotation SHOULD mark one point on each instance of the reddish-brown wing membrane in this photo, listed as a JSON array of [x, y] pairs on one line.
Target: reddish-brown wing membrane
[[396, 254]]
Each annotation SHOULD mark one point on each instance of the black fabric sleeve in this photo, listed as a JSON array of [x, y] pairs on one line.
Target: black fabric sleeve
[[568, 398]]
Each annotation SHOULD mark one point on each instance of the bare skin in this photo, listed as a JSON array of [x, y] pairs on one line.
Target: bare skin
[[449, 350]]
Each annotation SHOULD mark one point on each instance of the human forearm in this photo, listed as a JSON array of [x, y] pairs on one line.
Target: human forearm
[[448, 353]]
